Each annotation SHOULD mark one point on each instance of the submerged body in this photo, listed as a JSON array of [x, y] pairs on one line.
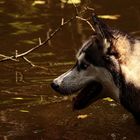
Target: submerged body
[[108, 65]]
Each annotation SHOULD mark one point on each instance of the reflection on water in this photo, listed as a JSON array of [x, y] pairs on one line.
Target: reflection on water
[[29, 108], [71, 1]]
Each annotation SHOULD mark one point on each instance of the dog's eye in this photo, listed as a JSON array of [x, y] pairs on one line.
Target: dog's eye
[[83, 66]]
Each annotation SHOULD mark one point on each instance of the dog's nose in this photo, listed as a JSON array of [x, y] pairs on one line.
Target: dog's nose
[[55, 86]]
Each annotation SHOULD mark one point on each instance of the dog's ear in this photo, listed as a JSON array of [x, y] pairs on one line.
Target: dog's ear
[[103, 32]]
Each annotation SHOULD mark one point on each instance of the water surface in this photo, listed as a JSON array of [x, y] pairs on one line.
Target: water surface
[[29, 108]]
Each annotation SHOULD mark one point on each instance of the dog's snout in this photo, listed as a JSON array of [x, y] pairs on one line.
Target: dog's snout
[[55, 86]]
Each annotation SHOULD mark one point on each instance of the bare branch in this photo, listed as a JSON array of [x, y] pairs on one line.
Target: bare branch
[[41, 44], [89, 8], [7, 57], [47, 40], [83, 19], [62, 21], [16, 53], [28, 61], [39, 40]]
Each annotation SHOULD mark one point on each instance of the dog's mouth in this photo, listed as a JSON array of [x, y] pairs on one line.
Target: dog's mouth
[[90, 93], [87, 95]]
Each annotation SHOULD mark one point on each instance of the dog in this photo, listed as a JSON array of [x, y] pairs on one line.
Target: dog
[[107, 65]]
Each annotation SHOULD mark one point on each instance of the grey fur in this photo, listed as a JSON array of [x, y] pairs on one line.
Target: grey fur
[[113, 60]]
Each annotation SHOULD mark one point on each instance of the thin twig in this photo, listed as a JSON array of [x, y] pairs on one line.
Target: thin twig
[[83, 19], [16, 53], [62, 21], [40, 44], [46, 41], [28, 61], [89, 8], [4, 56], [39, 40]]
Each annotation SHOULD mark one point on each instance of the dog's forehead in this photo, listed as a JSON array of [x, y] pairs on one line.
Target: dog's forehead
[[87, 46], [91, 52]]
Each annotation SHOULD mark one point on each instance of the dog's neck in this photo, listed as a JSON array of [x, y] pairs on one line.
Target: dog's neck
[[123, 46], [125, 68], [129, 74], [129, 60]]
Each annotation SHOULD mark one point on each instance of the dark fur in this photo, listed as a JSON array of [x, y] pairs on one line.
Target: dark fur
[[97, 54], [86, 97], [129, 93], [129, 98]]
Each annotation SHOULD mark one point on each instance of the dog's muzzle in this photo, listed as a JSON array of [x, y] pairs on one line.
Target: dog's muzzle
[[55, 87], [87, 95]]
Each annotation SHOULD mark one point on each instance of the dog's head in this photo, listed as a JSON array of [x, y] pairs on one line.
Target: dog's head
[[89, 76]]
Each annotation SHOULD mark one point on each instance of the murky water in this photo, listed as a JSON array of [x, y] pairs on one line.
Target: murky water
[[29, 108]]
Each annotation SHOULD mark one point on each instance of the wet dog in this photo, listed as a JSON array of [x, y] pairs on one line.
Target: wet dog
[[108, 65]]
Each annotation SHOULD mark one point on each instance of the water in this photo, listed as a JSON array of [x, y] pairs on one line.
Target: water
[[29, 108]]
